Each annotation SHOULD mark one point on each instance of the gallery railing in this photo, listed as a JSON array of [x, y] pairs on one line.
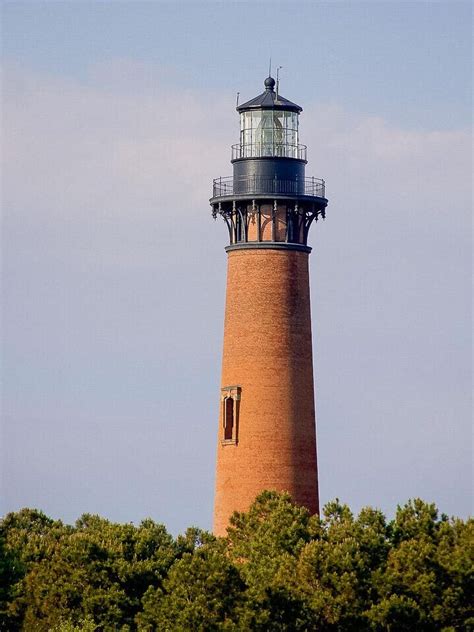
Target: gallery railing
[[262, 150], [264, 185]]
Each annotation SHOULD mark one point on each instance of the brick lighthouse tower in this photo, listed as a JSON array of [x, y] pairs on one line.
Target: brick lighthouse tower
[[266, 433]]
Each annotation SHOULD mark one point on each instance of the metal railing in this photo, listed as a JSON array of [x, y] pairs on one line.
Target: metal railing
[[264, 185], [261, 150]]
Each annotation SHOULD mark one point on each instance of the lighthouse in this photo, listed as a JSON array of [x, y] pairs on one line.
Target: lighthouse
[[266, 437]]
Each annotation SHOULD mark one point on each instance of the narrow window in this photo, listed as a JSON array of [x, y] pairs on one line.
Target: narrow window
[[229, 419], [230, 402]]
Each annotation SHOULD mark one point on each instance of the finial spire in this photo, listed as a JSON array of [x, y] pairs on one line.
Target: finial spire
[[270, 67]]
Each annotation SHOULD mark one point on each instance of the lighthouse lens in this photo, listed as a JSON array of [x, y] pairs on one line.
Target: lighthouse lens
[[269, 133]]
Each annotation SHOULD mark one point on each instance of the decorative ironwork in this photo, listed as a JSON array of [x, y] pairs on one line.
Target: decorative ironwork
[[294, 219]]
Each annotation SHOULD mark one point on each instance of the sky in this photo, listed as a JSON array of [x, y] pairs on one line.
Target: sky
[[116, 116]]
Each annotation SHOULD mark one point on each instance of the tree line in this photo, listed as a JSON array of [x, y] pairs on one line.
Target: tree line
[[278, 569]]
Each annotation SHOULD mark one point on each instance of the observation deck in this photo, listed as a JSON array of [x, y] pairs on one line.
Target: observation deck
[[266, 187]]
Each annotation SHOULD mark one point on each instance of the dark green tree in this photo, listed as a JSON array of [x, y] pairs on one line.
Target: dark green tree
[[279, 569], [203, 592], [428, 576], [97, 569]]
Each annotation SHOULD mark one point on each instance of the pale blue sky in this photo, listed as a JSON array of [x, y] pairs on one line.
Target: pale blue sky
[[370, 55], [116, 117]]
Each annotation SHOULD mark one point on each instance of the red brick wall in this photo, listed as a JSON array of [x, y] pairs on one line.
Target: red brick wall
[[268, 353]]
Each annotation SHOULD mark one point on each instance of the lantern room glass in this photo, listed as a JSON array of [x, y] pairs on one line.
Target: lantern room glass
[[269, 133]]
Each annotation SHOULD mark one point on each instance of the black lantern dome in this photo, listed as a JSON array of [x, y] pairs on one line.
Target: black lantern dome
[[270, 100], [269, 164]]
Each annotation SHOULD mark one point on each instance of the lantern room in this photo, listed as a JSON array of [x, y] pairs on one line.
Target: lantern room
[[269, 127]]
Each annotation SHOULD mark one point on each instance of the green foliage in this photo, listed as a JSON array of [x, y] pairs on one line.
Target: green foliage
[[268, 537], [96, 570], [279, 569], [202, 592], [83, 625]]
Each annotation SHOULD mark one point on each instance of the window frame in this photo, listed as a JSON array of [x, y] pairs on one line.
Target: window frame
[[230, 393]]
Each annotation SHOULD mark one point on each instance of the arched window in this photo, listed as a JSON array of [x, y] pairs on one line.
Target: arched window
[[230, 398], [228, 419]]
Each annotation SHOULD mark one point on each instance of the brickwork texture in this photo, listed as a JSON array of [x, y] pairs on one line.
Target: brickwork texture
[[268, 354]]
